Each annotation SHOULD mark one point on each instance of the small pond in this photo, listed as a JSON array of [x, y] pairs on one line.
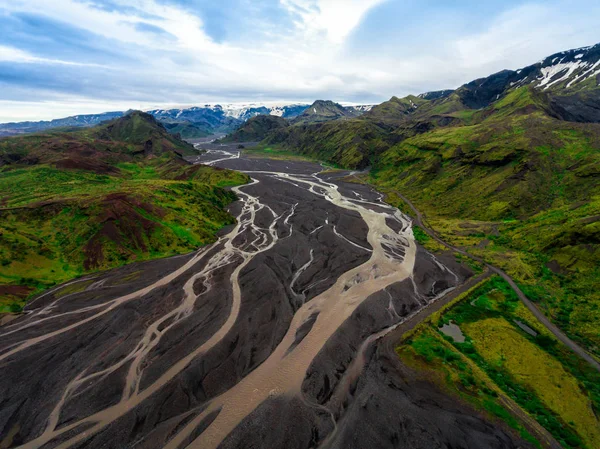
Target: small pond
[[452, 330], [526, 328]]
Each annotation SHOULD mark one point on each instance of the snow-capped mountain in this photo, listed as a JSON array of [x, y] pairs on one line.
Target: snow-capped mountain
[[246, 111], [561, 74], [7, 129], [235, 111], [564, 70], [360, 107]]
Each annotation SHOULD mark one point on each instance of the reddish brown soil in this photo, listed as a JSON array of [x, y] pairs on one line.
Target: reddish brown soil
[[121, 224], [20, 291], [93, 165]]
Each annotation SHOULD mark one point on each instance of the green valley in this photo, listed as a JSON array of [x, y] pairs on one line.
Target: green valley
[[507, 169]]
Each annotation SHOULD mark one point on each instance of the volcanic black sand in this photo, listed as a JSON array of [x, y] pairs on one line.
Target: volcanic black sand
[[269, 338]]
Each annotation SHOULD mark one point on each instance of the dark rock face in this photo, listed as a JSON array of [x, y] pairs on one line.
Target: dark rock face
[[561, 75], [579, 107], [480, 93], [436, 95]]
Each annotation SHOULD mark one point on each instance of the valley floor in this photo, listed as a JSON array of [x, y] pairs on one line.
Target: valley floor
[[279, 321]]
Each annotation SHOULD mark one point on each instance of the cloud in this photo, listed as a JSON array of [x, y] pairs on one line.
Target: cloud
[[199, 51], [333, 18], [10, 54]]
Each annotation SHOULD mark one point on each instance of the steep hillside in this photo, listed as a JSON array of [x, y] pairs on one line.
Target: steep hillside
[[256, 129], [521, 188], [435, 95], [566, 75], [142, 129], [395, 108], [76, 202]]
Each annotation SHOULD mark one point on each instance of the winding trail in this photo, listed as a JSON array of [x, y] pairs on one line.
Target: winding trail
[[418, 219]]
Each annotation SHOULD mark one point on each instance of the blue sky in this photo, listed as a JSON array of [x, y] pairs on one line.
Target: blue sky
[[65, 57]]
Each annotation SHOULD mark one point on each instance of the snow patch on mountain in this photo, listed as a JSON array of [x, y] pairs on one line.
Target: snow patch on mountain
[[550, 74]]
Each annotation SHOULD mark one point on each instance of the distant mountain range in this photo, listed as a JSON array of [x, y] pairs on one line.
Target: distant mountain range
[[563, 86], [13, 128], [321, 111], [192, 122]]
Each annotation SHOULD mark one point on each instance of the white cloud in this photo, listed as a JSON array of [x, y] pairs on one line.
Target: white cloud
[[308, 60], [65, 107], [336, 18], [11, 54]]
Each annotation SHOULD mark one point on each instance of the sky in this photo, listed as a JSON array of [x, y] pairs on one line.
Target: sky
[[68, 57]]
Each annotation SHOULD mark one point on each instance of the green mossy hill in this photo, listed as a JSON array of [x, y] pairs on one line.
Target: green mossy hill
[[78, 202], [521, 189], [135, 136], [186, 130], [57, 224], [323, 111], [141, 129], [358, 142], [256, 129], [348, 143]]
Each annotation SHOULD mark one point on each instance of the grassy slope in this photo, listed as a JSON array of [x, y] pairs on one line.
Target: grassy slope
[[520, 189], [545, 379], [117, 202]]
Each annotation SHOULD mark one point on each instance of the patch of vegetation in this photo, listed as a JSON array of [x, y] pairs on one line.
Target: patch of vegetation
[[420, 235], [561, 391], [57, 224], [344, 143], [427, 352], [274, 152]]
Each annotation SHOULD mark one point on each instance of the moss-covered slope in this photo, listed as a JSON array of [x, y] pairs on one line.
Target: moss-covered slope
[[520, 188]]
